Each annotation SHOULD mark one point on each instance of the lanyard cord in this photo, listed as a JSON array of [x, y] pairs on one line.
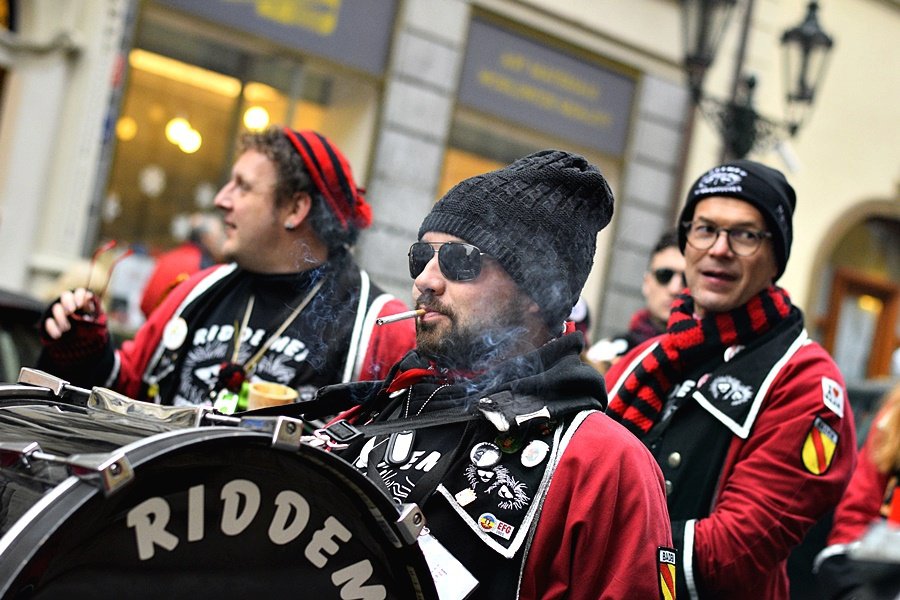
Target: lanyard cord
[[250, 365], [240, 330]]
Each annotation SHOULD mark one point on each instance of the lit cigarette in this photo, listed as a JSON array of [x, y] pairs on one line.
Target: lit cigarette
[[410, 314]]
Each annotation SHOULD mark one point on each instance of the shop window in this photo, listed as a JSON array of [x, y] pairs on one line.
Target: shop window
[[173, 138], [861, 333], [179, 123], [478, 144], [860, 325]]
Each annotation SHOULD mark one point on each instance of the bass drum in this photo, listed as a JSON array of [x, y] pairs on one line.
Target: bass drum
[[97, 504]]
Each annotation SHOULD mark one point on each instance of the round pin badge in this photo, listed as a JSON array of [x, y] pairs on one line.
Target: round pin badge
[[175, 333], [508, 443], [485, 455], [534, 453]]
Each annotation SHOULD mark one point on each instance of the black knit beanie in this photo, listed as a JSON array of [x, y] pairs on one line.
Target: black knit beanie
[[539, 218], [763, 187]]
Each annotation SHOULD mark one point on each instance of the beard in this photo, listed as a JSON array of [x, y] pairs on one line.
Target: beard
[[475, 343]]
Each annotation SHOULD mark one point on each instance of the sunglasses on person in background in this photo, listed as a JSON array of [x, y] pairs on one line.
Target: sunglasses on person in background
[[457, 261], [664, 276], [741, 241]]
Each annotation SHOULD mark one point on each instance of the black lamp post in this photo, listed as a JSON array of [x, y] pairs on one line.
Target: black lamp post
[[806, 49]]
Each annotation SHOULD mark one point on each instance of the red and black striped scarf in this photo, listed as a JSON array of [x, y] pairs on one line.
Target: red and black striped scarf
[[688, 343]]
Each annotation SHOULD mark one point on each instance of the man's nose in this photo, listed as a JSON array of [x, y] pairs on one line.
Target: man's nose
[[721, 246], [431, 278], [223, 197]]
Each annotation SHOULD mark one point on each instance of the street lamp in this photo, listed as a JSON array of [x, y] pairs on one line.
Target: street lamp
[[703, 24], [806, 51], [806, 48]]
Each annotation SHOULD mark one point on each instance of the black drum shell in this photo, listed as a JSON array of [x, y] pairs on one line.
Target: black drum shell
[[63, 537]]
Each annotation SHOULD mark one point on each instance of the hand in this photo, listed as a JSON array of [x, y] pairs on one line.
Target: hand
[[70, 302]]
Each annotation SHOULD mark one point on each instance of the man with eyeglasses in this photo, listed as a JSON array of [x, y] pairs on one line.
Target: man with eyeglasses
[[663, 281], [746, 416], [493, 425]]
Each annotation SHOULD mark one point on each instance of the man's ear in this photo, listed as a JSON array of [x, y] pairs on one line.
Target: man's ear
[[297, 210]]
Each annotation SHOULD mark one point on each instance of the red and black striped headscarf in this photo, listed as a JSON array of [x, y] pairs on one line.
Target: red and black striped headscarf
[[688, 343], [331, 174]]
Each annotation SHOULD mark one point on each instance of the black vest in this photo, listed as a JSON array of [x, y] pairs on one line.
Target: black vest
[[707, 409]]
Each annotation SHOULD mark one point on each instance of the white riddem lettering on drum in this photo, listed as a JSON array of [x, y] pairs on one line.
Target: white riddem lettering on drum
[[241, 501]]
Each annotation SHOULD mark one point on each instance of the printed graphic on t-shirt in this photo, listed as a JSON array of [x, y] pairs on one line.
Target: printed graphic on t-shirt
[[211, 346]]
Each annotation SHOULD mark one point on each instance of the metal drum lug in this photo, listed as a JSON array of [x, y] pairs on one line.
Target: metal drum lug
[[111, 470], [60, 388], [12, 453], [410, 522], [42, 379], [286, 431]]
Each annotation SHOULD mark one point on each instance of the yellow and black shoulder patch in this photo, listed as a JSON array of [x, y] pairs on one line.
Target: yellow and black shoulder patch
[[666, 563], [819, 447]]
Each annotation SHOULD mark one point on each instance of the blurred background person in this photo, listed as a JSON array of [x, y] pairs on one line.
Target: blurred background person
[[202, 248], [871, 496], [663, 280]]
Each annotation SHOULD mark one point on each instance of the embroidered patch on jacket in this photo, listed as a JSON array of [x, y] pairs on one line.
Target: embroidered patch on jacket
[[819, 446], [511, 494], [833, 396], [730, 389], [666, 562]]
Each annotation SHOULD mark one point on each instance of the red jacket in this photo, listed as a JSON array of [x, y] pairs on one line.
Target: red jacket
[[766, 498], [602, 522], [589, 522], [861, 504]]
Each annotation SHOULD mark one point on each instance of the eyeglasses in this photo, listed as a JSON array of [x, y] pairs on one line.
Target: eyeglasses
[[458, 262], [743, 242], [664, 276]]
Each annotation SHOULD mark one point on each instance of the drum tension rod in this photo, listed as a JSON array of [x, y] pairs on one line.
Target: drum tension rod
[[111, 470]]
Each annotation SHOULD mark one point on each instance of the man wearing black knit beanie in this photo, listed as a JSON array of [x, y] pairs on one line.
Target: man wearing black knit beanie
[[746, 416], [494, 425]]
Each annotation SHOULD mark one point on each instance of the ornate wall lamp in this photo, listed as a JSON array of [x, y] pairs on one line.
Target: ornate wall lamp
[[806, 49]]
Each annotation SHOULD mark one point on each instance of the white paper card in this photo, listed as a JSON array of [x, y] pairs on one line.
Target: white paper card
[[451, 579]]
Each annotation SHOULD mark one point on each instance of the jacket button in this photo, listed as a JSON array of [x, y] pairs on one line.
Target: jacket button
[[674, 459], [668, 487]]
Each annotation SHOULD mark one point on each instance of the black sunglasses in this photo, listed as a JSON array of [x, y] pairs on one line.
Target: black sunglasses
[[458, 262], [664, 276]]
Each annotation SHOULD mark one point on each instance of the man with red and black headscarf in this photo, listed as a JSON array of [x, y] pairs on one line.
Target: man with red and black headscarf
[[291, 308]]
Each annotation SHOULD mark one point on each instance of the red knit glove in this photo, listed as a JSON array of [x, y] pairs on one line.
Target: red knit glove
[[87, 338]]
